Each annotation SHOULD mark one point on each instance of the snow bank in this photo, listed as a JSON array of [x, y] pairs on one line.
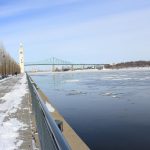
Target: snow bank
[[50, 107], [5, 79], [9, 134], [9, 129]]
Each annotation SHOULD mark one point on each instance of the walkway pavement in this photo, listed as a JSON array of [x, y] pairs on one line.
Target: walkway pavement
[[15, 115]]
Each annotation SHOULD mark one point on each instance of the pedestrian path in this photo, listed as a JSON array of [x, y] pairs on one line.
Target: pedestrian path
[[15, 118]]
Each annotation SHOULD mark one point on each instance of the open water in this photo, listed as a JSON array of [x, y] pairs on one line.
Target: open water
[[110, 110]]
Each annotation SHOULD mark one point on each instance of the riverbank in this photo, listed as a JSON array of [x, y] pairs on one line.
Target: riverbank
[[16, 122], [92, 70]]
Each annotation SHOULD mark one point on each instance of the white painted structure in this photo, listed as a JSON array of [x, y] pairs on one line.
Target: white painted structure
[[21, 58]]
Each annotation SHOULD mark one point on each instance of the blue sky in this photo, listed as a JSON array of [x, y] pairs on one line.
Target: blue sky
[[80, 31]]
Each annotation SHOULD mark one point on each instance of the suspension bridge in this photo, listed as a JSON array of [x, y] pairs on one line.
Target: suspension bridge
[[53, 61]]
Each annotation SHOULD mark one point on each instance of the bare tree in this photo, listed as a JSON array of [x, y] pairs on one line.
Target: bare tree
[[8, 66]]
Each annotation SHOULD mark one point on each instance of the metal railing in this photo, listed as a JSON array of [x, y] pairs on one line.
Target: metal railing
[[50, 135]]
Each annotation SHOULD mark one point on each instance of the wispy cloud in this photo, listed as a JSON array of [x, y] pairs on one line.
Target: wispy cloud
[[24, 6], [120, 32], [113, 24]]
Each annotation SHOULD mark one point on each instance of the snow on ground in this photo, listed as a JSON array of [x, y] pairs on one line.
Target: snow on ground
[[5, 79], [50, 107], [9, 128]]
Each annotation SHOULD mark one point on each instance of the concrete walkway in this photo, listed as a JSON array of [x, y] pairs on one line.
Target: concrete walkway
[[16, 123]]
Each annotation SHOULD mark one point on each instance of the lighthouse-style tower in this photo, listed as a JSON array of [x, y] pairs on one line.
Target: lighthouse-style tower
[[21, 58]]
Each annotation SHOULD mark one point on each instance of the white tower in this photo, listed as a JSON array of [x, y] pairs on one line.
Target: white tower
[[21, 58]]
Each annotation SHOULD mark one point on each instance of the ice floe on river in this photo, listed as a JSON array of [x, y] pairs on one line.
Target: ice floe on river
[[75, 92], [71, 81], [111, 94]]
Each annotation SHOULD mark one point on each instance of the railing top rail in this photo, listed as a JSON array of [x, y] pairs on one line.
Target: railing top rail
[[58, 137]]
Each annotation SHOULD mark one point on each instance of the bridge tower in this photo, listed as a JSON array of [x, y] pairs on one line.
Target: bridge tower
[[21, 58]]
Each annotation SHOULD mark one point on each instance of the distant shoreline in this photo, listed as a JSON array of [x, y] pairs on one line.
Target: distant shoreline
[[92, 70]]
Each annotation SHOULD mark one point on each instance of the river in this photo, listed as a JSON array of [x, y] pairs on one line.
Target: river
[[109, 110]]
